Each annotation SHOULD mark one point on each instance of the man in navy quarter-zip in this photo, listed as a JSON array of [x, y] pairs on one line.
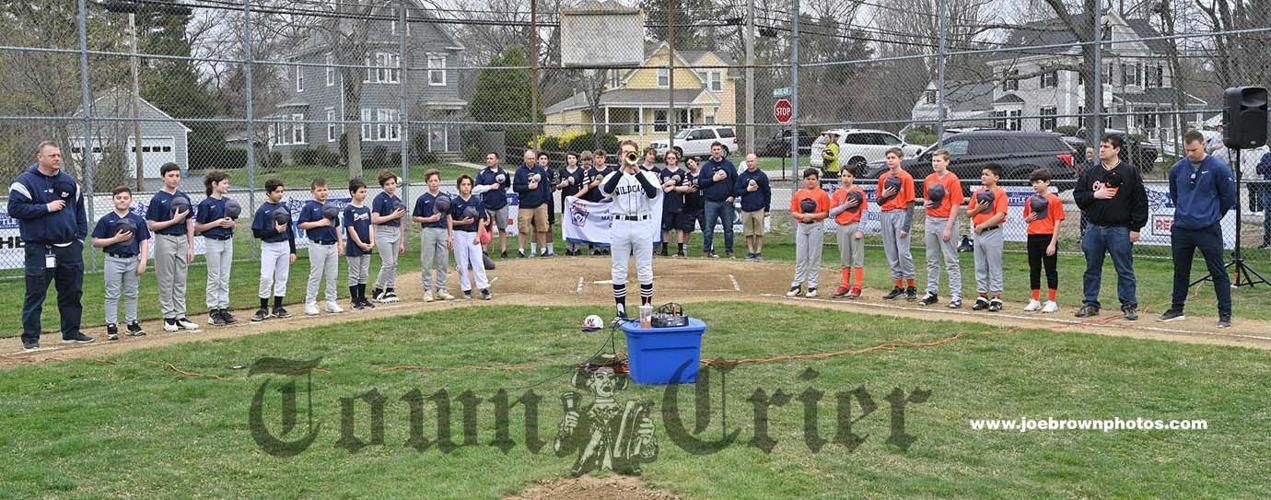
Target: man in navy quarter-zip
[[49, 207], [1202, 189], [716, 182]]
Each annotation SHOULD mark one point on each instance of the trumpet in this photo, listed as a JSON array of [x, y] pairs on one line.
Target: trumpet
[[632, 157]]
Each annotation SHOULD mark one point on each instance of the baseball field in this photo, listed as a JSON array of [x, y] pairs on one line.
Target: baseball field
[[801, 397]]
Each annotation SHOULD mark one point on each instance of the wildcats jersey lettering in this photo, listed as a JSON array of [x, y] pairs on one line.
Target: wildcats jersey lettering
[[629, 197]]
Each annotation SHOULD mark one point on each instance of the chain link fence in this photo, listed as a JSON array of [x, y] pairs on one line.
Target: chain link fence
[[344, 89]]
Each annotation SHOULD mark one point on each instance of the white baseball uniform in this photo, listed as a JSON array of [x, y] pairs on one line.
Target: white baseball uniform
[[635, 197]]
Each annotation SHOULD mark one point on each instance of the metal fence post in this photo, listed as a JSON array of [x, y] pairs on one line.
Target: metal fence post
[[86, 103], [251, 117], [794, 94], [1095, 128], [940, 65], [404, 63]]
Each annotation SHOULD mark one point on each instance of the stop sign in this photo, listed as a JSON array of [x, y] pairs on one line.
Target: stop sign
[[783, 111]]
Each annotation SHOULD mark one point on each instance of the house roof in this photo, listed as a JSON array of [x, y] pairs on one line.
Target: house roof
[[1009, 99], [600, 7], [1053, 32], [626, 98], [115, 103], [315, 41], [1158, 96]]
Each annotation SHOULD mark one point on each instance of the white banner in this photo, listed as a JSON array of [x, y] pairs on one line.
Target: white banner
[[588, 223]]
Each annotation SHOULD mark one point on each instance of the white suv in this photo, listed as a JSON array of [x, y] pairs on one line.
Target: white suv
[[697, 141], [858, 147]]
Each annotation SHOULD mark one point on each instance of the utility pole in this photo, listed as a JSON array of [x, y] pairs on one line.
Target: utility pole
[[750, 76], [940, 96], [670, 73], [794, 92], [534, 63], [134, 64]]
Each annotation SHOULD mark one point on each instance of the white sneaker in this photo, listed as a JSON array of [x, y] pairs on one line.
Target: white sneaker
[[186, 324], [1051, 307], [333, 307], [811, 293], [170, 325], [444, 295], [428, 297], [311, 309], [1033, 306]]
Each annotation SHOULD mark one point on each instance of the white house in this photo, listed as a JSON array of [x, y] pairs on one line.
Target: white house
[[164, 139]]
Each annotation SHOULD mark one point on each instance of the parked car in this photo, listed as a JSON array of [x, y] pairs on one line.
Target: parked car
[[697, 141], [779, 144], [858, 147], [1018, 153], [1142, 154]]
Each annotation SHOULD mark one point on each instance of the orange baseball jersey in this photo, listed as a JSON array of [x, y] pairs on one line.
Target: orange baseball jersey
[[902, 199], [816, 194], [1054, 214], [953, 194], [848, 216], [999, 205]]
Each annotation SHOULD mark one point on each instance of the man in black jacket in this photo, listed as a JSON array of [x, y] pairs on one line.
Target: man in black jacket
[[1113, 199]]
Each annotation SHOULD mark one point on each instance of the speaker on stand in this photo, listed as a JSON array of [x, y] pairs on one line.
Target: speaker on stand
[[1244, 120]]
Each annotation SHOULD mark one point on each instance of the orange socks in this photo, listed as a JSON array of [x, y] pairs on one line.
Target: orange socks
[[911, 283], [900, 283], [845, 277], [860, 276], [1051, 294], [1037, 294]]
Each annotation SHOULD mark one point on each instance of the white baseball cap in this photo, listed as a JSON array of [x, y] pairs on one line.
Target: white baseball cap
[[593, 323]]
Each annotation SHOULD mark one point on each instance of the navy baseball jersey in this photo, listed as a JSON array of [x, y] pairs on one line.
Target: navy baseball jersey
[[594, 194], [383, 206], [312, 212], [673, 202], [263, 224], [577, 176], [458, 205], [106, 229], [494, 199], [160, 210], [211, 209], [357, 220], [426, 206]]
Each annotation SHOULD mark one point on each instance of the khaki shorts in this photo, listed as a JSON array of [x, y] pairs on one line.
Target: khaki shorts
[[537, 216], [752, 223]]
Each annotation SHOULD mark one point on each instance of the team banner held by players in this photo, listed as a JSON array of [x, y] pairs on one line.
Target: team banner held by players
[[588, 223]]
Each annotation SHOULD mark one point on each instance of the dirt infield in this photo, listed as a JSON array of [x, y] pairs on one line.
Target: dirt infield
[[573, 281], [587, 487]]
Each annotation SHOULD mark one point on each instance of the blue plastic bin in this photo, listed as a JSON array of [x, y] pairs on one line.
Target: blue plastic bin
[[656, 353]]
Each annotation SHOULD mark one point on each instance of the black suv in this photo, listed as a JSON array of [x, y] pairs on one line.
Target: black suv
[[779, 144], [1018, 153]]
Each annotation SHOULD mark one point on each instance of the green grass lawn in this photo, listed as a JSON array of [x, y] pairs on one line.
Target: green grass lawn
[[129, 425], [1155, 281], [301, 176]]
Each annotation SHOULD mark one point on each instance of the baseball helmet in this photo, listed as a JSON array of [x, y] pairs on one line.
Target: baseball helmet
[[488, 262], [807, 206], [935, 194], [398, 205], [331, 211], [500, 178], [282, 215], [892, 182], [442, 203], [180, 204], [1038, 204], [471, 212], [232, 208], [856, 196], [985, 196], [125, 225], [593, 323]]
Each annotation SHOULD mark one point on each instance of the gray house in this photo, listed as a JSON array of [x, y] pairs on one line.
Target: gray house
[[163, 138], [315, 103]]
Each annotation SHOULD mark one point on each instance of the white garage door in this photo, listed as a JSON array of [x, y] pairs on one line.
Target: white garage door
[[155, 151]]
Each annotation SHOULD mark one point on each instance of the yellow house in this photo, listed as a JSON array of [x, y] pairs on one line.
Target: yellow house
[[702, 96]]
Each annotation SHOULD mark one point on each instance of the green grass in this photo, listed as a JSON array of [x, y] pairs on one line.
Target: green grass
[[301, 176], [1155, 280], [128, 425]]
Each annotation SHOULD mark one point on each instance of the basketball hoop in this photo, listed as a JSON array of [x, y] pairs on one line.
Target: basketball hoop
[[598, 34]]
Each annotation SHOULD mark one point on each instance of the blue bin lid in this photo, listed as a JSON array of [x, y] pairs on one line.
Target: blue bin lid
[[694, 326]]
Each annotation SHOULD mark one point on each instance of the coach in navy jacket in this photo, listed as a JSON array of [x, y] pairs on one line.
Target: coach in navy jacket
[[49, 207], [718, 192], [1202, 189]]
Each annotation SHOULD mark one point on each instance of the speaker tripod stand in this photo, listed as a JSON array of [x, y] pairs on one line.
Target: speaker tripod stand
[[1245, 275]]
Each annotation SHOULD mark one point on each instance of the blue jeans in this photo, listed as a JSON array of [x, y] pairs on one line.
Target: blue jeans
[[716, 210], [68, 275], [1184, 244], [1116, 242]]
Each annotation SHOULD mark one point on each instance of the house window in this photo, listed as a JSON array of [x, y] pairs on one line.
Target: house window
[[715, 81], [330, 125], [664, 77], [297, 129], [1160, 76], [370, 71], [1148, 121], [436, 70], [1013, 122], [999, 120], [1050, 80], [1048, 118], [710, 120], [387, 127], [1012, 81], [1081, 118], [367, 123], [387, 65], [930, 96], [300, 79], [330, 70], [1111, 73], [659, 120], [1107, 120]]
